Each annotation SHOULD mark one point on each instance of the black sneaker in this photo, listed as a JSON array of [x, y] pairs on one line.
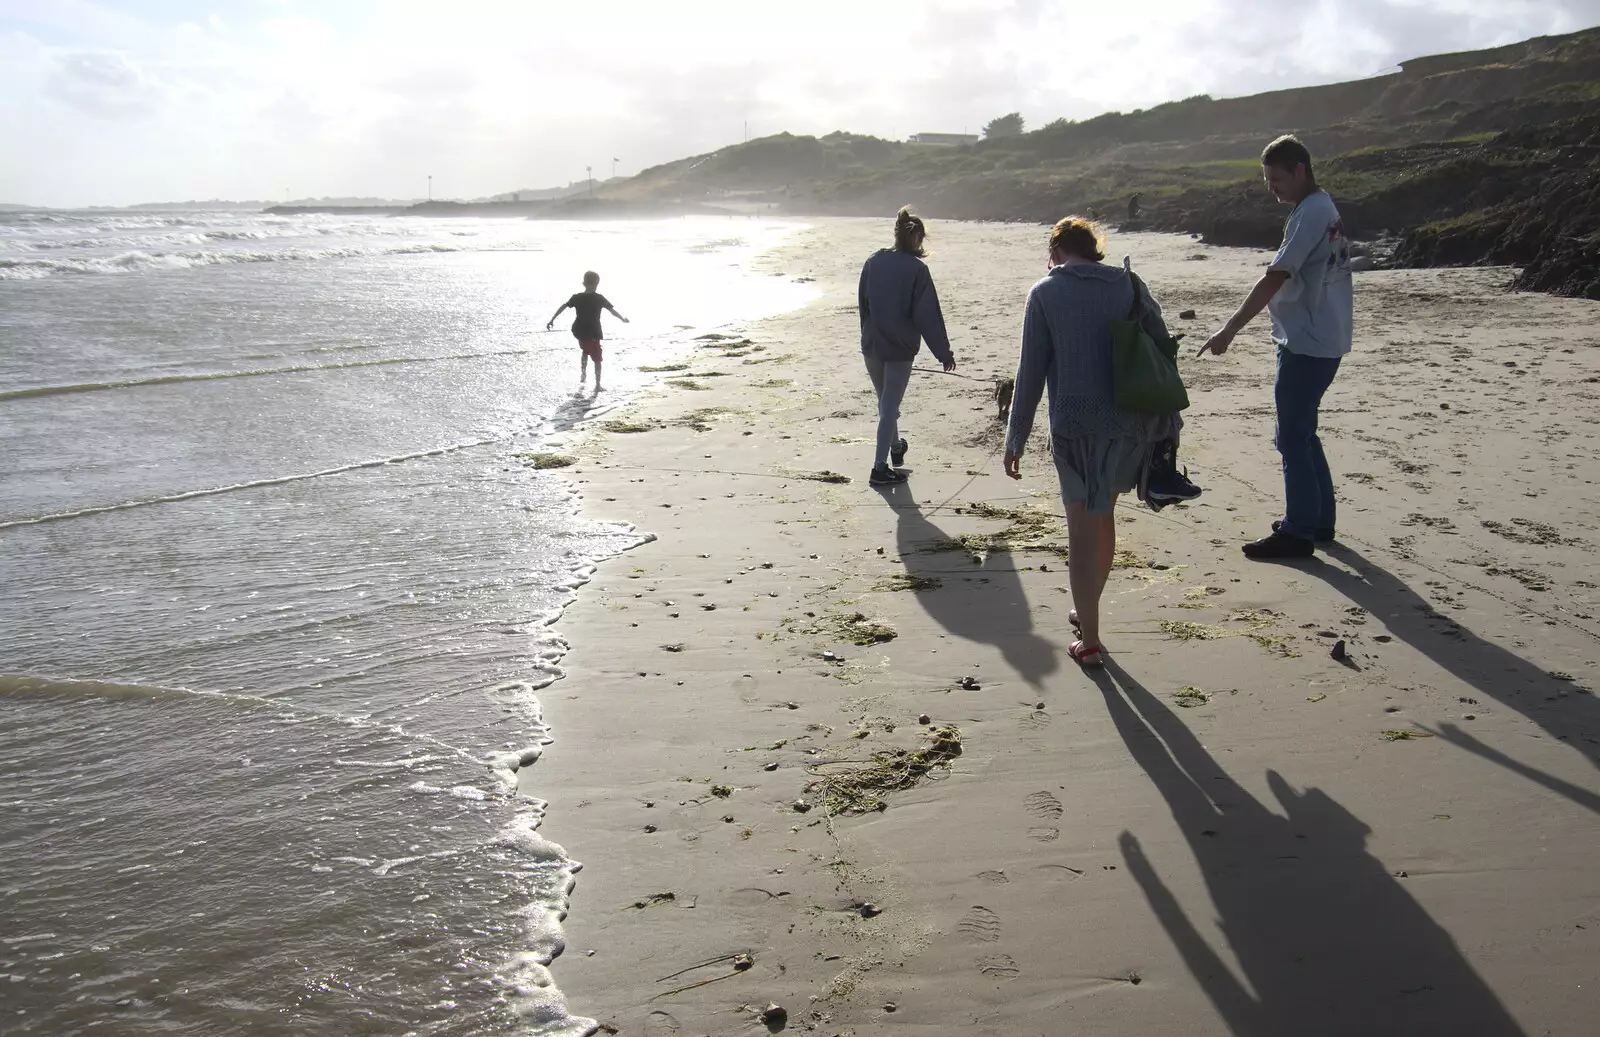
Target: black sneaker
[[897, 453], [1324, 536], [883, 475], [1169, 484], [1279, 545]]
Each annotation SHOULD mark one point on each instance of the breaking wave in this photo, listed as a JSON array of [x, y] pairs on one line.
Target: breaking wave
[[138, 261]]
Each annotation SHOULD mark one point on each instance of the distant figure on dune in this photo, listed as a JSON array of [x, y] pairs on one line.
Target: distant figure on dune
[[586, 306], [1308, 291], [1133, 206], [899, 310], [1100, 449]]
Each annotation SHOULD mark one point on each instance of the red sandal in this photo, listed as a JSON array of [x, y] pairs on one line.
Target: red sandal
[[1085, 654]]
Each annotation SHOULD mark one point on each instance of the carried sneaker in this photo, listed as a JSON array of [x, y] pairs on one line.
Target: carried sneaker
[[1169, 484], [1279, 545], [897, 453], [883, 475], [1323, 536]]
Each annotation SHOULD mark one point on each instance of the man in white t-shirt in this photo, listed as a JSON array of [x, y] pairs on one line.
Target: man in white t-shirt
[[1307, 290]]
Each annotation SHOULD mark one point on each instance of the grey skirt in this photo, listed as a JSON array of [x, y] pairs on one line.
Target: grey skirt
[[1091, 469]]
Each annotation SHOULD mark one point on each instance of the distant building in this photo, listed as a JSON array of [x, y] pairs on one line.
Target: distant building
[[943, 138]]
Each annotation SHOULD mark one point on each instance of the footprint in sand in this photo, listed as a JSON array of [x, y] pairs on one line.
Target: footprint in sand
[[980, 925], [1002, 966], [999, 878], [1034, 720], [661, 1024], [1043, 805]]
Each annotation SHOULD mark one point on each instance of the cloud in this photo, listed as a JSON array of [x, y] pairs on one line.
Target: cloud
[[371, 96], [102, 85]]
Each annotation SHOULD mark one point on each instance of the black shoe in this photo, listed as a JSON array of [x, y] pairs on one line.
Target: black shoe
[[1279, 545], [1324, 536], [883, 475], [1169, 484], [897, 453]]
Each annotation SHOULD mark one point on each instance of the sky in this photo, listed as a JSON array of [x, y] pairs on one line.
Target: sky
[[124, 101]]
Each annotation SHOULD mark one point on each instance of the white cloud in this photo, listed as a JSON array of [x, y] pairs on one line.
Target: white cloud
[[249, 98]]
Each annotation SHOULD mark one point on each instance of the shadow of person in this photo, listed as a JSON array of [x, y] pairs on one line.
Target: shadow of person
[[1495, 672], [983, 603], [1327, 941]]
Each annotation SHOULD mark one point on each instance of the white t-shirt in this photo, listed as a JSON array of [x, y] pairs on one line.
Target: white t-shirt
[[1313, 311]]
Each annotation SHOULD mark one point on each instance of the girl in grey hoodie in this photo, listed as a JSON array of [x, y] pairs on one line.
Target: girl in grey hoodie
[[899, 310]]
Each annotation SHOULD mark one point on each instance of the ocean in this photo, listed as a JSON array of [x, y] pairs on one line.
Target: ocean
[[277, 589]]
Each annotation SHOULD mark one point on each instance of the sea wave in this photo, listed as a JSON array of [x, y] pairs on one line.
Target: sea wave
[[139, 261]]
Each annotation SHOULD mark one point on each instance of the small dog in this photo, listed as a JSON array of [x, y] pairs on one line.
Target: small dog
[[1002, 398]]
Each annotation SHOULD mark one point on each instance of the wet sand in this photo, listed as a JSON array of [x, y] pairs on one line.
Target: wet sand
[[1228, 831]]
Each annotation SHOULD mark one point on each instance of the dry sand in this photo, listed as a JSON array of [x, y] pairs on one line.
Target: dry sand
[[1221, 833]]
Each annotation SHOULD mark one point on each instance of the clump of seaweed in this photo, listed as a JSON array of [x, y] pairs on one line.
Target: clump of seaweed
[[663, 367], [545, 459], [1254, 626], [1030, 530], [1189, 697], [700, 420], [1183, 630], [624, 425], [847, 787], [822, 476], [908, 582], [1405, 735], [687, 383], [855, 628]]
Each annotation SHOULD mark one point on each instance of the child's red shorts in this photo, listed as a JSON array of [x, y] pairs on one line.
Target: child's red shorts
[[591, 348]]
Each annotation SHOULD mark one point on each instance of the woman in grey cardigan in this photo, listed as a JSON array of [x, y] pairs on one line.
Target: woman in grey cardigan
[[1100, 450], [899, 309]]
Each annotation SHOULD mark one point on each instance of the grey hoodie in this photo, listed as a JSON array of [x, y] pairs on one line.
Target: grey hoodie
[[1066, 347], [899, 308]]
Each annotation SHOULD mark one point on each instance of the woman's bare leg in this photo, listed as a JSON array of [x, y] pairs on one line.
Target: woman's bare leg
[[1091, 549]]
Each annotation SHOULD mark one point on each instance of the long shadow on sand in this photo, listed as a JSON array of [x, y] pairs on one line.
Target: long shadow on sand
[[1495, 672], [1328, 942], [983, 603]]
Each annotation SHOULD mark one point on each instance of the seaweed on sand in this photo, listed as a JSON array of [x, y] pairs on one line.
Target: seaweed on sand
[[700, 420], [908, 582], [855, 628], [1030, 530], [624, 425], [858, 787], [823, 476], [545, 459]]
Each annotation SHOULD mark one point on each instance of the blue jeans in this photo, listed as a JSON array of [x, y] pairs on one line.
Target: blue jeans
[[1309, 509], [889, 381]]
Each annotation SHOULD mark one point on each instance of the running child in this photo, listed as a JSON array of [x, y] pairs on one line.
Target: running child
[[587, 305]]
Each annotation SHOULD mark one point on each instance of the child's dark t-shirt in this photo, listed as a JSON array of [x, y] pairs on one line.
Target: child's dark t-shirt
[[587, 306]]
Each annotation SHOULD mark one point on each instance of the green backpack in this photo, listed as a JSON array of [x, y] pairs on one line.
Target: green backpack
[[1144, 363]]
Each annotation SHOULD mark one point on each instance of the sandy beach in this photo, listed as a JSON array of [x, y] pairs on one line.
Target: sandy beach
[[1228, 831]]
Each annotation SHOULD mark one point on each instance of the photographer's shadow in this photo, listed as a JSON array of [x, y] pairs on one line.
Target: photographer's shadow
[[1328, 942]]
